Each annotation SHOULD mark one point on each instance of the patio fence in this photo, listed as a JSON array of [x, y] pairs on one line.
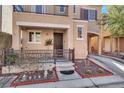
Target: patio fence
[[10, 56]]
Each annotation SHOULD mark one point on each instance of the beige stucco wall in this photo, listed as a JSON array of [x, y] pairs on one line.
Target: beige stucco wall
[[107, 44], [80, 45], [32, 17], [45, 34], [70, 35], [122, 44], [7, 18]]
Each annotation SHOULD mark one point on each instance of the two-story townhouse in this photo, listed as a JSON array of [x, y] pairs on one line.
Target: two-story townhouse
[[69, 26]]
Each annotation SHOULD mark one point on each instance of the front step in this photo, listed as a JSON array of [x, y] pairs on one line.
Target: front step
[[64, 66], [67, 68]]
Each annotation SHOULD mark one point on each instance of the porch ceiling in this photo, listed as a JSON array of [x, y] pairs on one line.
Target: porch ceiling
[[93, 34], [44, 25]]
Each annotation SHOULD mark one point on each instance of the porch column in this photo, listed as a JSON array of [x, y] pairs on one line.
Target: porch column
[[16, 39], [70, 38], [89, 45], [100, 41]]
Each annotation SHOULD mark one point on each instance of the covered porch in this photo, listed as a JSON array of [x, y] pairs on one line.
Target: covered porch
[[93, 43], [34, 36]]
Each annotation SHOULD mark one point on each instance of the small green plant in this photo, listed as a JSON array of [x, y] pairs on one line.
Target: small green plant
[[88, 72], [11, 58], [48, 42], [100, 71]]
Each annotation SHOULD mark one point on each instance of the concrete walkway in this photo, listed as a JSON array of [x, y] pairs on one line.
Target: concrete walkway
[[106, 81], [114, 81], [114, 65]]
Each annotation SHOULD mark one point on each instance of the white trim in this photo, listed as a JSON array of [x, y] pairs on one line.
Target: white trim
[[34, 42], [44, 9], [92, 32], [91, 20], [89, 16], [33, 8], [80, 39], [48, 25], [61, 11], [80, 25], [76, 20]]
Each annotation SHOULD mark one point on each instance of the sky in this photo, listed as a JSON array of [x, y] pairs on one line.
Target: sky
[[104, 9]]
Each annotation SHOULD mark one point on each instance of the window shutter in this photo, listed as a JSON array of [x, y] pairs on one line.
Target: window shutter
[[95, 14], [83, 14]]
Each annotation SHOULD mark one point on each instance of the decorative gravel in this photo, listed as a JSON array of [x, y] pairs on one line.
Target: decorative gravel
[[33, 77]]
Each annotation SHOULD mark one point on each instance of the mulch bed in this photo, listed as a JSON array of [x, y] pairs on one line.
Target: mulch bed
[[34, 77], [87, 69]]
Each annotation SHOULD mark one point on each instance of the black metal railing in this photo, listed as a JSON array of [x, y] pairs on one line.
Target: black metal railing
[[51, 10], [38, 56]]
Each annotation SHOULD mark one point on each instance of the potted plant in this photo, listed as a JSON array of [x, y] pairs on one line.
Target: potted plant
[[48, 43], [10, 59]]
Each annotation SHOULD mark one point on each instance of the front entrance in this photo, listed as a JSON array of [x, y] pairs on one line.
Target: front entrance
[[93, 43], [58, 40], [58, 44]]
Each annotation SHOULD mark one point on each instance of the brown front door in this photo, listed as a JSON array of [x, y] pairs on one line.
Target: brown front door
[[58, 40], [58, 44]]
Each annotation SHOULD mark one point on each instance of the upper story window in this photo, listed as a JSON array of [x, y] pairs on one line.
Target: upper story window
[[91, 14], [79, 32], [62, 8], [35, 37], [88, 14], [38, 8], [18, 8]]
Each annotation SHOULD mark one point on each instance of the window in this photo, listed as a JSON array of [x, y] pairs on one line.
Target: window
[[88, 14], [35, 37], [91, 14], [62, 8], [79, 32], [18, 8], [38, 36], [38, 8]]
